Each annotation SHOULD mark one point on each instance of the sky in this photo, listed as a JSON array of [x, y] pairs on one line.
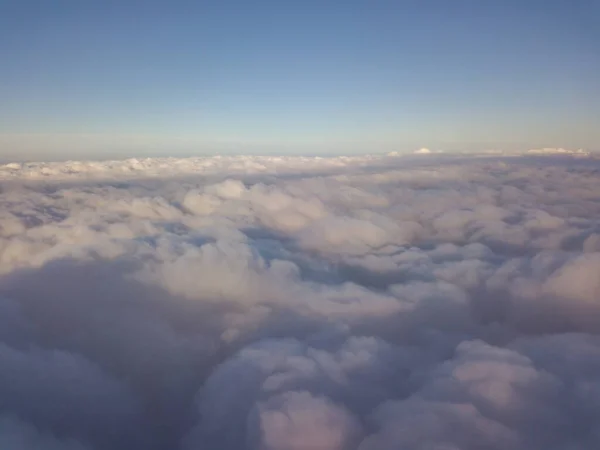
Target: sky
[[110, 78]]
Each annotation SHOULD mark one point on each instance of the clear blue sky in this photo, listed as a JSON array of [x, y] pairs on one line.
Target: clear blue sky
[[95, 78]]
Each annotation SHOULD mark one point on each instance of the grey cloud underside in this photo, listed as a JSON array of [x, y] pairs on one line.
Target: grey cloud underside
[[356, 303]]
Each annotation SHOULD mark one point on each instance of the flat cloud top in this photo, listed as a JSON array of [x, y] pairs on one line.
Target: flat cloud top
[[286, 303]]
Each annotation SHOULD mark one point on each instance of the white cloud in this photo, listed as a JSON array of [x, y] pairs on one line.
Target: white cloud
[[423, 151], [300, 421], [351, 303]]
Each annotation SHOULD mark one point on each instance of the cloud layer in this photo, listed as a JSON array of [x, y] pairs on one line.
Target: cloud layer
[[261, 303]]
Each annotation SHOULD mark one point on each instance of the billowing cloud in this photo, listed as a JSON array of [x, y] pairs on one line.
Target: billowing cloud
[[273, 303]]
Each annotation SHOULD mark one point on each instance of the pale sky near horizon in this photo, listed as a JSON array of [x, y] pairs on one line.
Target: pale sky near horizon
[[126, 78]]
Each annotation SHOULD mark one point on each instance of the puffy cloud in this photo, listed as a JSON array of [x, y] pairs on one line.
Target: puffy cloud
[[64, 391], [286, 389], [300, 421], [592, 243], [17, 435], [577, 280], [278, 303], [485, 397]]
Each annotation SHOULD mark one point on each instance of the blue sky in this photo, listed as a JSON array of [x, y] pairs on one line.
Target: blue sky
[[121, 78]]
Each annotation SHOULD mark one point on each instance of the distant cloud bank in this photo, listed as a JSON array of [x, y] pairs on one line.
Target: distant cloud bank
[[558, 151], [423, 151], [288, 303]]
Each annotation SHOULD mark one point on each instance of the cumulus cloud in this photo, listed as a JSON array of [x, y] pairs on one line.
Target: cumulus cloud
[[16, 435], [273, 303], [297, 420]]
